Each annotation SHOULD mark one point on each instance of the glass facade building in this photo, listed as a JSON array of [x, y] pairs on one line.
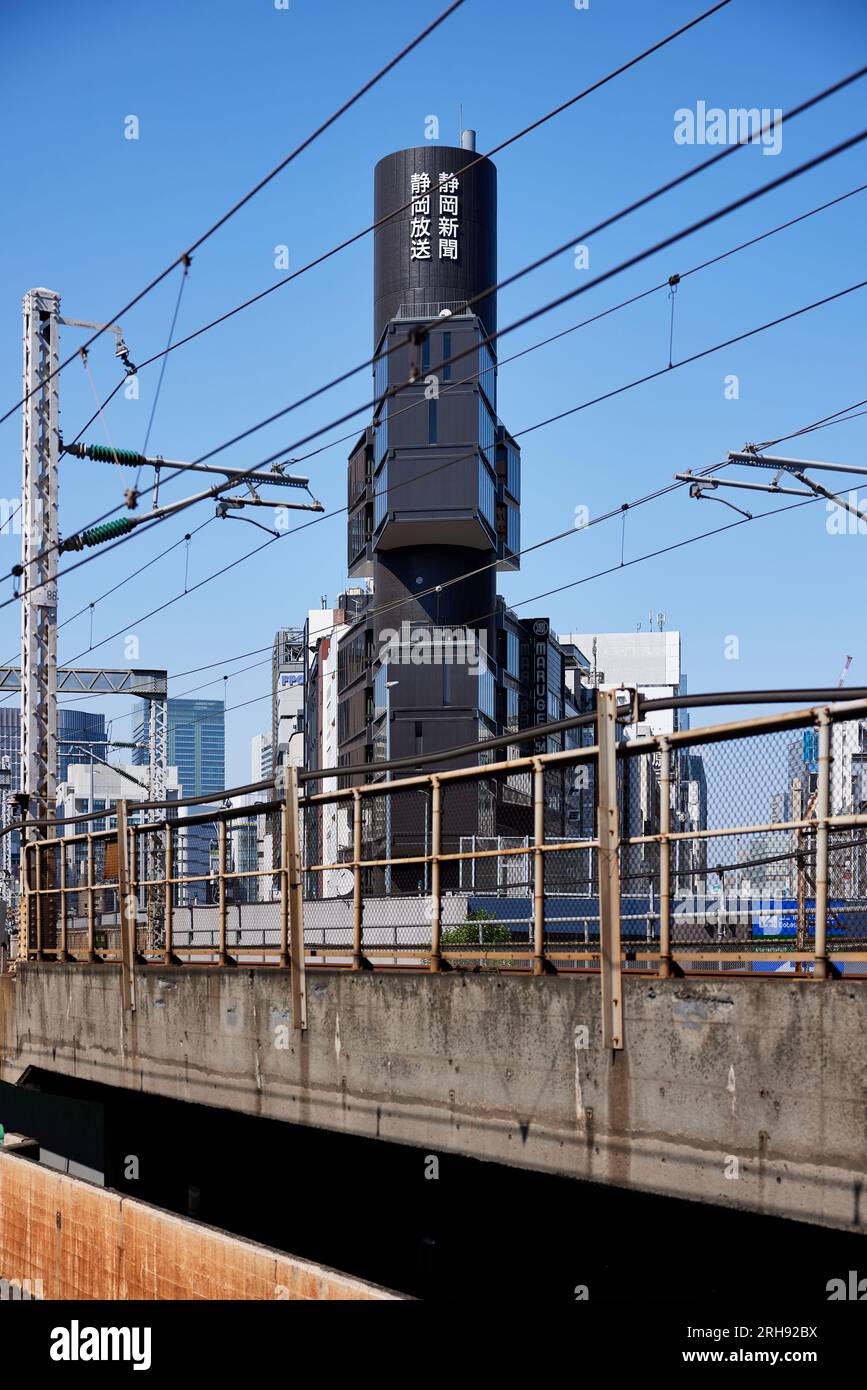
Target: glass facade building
[[196, 744], [72, 725]]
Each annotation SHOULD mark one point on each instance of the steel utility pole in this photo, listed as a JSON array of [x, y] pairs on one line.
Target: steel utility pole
[[39, 539]]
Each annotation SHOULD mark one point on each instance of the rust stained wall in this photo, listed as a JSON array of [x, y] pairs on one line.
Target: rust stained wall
[[85, 1242]]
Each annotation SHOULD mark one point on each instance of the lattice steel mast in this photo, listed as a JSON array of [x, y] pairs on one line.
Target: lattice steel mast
[[39, 539]]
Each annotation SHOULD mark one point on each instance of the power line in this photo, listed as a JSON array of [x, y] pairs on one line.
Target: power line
[[663, 550], [527, 318], [511, 140], [823, 422], [586, 579], [257, 188], [580, 236], [155, 403], [504, 144], [183, 540], [451, 386], [90, 606], [666, 371], [835, 418]]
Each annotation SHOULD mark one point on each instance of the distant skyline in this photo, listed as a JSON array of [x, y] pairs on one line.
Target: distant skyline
[[221, 93]]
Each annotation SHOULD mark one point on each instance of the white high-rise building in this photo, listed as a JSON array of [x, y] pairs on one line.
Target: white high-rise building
[[261, 757], [646, 661], [649, 663]]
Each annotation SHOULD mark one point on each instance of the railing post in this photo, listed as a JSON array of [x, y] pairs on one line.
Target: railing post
[[24, 899], [609, 869], [665, 962], [284, 877], [39, 909], [295, 895], [126, 913], [358, 961], [91, 911], [538, 868], [169, 956], [436, 829], [64, 953], [223, 957], [821, 964]]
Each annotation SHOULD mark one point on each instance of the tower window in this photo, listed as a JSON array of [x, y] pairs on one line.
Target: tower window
[[432, 422], [447, 352]]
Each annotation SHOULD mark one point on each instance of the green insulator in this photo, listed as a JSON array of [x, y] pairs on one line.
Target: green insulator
[[107, 531], [103, 453]]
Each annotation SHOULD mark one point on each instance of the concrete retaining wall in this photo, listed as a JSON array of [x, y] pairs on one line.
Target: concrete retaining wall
[[741, 1091], [61, 1238]]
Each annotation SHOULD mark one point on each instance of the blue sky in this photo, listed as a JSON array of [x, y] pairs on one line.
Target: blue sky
[[223, 89]]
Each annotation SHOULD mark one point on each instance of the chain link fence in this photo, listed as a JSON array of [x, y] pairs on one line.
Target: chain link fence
[[739, 846]]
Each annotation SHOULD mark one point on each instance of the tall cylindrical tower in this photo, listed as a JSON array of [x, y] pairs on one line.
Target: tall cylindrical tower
[[441, 248], [434, 481]]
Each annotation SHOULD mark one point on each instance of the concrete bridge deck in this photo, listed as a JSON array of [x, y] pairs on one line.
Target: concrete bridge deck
[[740, 1091]]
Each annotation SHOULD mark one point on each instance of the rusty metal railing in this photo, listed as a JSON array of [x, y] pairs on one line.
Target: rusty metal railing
[[689, 850]]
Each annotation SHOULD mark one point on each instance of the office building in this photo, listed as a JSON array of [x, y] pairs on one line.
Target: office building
[[287, 699], [195, 743], [79, 732], [99, 788], [261, 757], [649, 663]]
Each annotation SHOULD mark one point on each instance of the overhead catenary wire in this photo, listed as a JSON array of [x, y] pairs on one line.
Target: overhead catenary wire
[[561, 588], [580, 236], [127, 578], [824, 421], [529, 317], [835, 417], [594, 400], [299, 528], [364, 231], [594, 318], [666, 371], [251, 193], [144, 448], [491, 289], [473, 376], [399, 603], [504, 144]]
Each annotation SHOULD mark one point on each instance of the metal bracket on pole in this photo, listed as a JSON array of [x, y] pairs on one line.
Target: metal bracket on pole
[[608, 829], [294, 890]]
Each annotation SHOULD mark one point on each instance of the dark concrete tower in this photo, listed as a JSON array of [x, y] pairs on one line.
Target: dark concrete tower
[[434, 482], [417, 262], [434, 494]]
